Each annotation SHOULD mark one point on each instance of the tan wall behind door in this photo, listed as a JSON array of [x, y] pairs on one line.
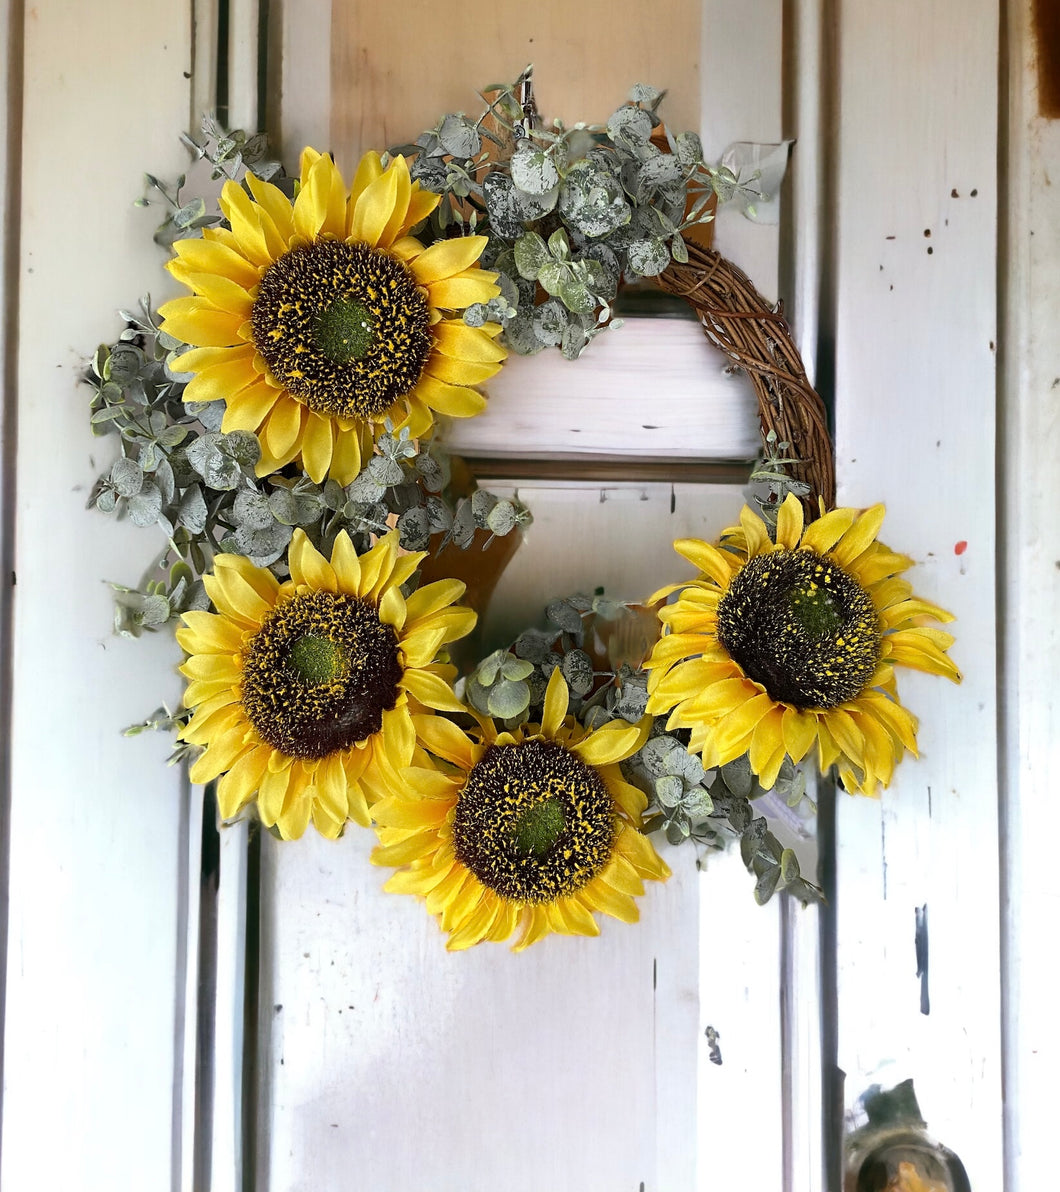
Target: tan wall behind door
[[396, 68]]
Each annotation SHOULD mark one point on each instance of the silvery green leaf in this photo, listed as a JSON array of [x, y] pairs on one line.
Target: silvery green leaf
[[414, 528], [739, 814], [477, 695], [669, 790], [475, 315], [502, 518], [463, 530], [252, 510], [737, 777], [489, 668], [459, 136], [677, 830], [507, 699], [649, 257], [191, 513], [550, 320], [552, 276], [190, 212], [797, 789], [172, 436], [197, 597], [520, 336], [385, 472], [659, 171], [221, 472], [573, 342], [154, 611], [688, 148], [366, 489], [333, 495], [501, 205], [431, 473], [766, 164], [106, 500], [576, 297], [531, 253], [698, 803], [560, 613], [679, 249], [559, 245], [516, 668], [263, 546], [146, 505], [632, 702], [687, 765], [482, 501], [108, 414], [242, 446], [123, 363], [766, 885], [439, 515], [725, 184], [165, 480], [291, 508], [127, 477], [578, 671], [533, 170], [533, 645], [645, 93], [789, 868], [149, 455], [630, 125], [209, 413]]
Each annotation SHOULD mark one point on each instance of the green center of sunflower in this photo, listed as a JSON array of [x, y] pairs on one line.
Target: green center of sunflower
[[318, 659], [802, 627], [533, 823], [343, 327], [344, 331], [319, 674]]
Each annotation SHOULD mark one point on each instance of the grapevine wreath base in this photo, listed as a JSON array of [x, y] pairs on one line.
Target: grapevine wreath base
[[278, 423]]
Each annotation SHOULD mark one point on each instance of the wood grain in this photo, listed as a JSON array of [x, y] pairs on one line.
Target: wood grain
[[397, 68]]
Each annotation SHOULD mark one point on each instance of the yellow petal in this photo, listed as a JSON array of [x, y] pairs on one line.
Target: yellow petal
[[283, 427], [799, 730], [789, 522], [454, 338], [453, 400], [614, 742], [242, 216], [373, 208], [431, 690], [316, 446], [602, 897], [272, 791], [708, 559], [197, 322], [451, 371], [278, 206], [444, 739], [454, 293], [236, 788], [432, 597], [821, 535], [202, 256], [346, 453], [308, 566], [557, 699], [860, 536], [447, 258]]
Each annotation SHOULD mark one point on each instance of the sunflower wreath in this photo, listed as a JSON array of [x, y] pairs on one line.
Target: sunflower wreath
[[277, 422]]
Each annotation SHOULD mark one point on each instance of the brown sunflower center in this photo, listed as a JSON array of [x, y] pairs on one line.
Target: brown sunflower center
[[533, 823], [343, 327], [799, 625], [319, 674]]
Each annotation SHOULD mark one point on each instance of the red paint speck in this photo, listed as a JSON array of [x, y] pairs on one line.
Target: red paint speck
[[960, 547]]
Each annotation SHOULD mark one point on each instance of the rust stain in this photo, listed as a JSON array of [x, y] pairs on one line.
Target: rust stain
[[960, 547], [1047, 40]]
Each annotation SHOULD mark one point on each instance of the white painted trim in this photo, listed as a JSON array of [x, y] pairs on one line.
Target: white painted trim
[[1030, 593]]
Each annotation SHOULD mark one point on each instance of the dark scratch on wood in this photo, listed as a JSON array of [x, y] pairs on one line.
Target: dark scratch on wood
[[921, 940], [712, 1042], [883, 853]]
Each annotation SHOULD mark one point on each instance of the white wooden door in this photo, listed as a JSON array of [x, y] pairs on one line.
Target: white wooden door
[[374, 1060]]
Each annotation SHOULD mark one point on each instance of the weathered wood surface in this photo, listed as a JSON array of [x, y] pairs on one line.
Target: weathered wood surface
[[98, 825], [1030, 564], [915, 332]]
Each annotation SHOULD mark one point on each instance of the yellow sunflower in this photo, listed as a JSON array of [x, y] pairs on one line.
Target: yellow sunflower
[[533, 829], [317, 320], [776, 646], [304, 691]]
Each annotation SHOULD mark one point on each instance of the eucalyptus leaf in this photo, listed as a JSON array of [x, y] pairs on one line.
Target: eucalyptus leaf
[[533, 170], [127, 477], [508, 698], [146, 505]]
